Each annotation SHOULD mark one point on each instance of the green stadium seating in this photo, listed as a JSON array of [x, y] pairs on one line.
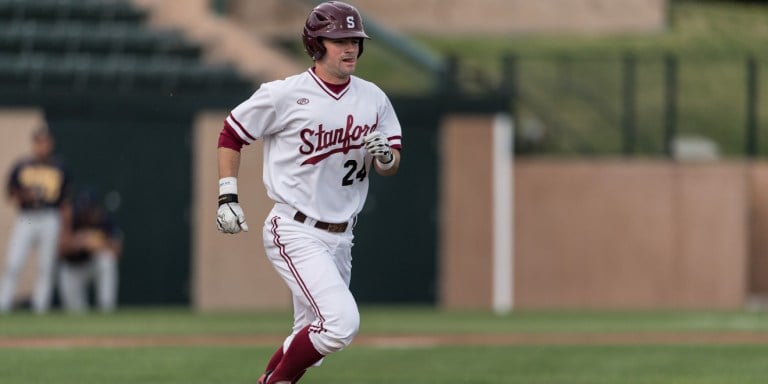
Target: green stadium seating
[[69, 10], [34, 36], [87, 45], [117, 72]]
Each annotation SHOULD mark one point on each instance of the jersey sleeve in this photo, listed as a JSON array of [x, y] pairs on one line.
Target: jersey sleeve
[[256, 117], [228, 138]]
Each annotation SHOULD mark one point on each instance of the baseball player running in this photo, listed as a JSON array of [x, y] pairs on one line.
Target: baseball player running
[[323, 130], [39, 186]]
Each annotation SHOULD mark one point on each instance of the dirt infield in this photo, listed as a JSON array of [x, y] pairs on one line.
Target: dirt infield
[[399, 341]]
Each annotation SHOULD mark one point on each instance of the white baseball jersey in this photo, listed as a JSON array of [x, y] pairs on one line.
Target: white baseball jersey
[[314, 159]]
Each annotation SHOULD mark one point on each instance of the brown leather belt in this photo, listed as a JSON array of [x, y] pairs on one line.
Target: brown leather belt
[[330, 227]]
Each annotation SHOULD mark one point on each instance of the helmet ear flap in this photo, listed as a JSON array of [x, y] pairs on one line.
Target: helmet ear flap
[[313, 46], [319, 48], [360, 45]]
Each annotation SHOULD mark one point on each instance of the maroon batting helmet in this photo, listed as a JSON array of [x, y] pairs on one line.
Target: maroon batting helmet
[[333, 20]]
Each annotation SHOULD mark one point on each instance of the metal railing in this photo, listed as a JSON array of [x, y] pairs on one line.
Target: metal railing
[[636, 105]]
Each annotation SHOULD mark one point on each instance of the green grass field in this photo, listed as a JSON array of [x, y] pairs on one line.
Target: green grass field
[[600, 353]]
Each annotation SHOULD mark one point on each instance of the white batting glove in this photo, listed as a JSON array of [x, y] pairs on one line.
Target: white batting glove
[[378, 146], [230, 217]]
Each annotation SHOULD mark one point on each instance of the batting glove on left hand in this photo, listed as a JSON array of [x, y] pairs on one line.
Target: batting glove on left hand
[[230, 217], [378, 146]]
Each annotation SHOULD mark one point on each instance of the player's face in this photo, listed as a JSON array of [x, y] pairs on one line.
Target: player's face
[[42, 146], [339, 61]]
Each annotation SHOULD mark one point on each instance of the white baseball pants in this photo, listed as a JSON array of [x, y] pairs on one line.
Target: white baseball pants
[[317, 267], [39, 228], [74, 280]]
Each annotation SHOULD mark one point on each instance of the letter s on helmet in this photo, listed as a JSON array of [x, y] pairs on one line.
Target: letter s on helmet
[[333, 20]]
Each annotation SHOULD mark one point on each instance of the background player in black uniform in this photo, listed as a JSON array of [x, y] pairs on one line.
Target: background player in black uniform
[[38, 185], [90, 248]]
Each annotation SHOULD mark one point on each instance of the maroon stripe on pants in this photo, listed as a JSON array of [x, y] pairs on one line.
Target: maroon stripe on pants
[[296, 276]]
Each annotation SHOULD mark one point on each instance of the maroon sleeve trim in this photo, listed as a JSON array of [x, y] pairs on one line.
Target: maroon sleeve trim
[[228, 138], [231, 116], [399, 147]]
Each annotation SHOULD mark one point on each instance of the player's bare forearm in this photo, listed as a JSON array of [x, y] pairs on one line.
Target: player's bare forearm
[[116, 246], [392, 170], [66, 240], [229, 162]]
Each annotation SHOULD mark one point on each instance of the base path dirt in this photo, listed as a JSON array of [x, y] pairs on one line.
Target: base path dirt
[[400, 340]]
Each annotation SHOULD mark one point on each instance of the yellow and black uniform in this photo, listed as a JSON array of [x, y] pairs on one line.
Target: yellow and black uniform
[[40, 186]]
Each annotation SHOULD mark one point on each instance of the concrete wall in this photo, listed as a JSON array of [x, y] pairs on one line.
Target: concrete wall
[[466, 251], [447, 17], [631, 235], [610, 234], [758, 225]]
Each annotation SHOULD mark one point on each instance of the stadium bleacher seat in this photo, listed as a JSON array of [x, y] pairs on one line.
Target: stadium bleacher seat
[[98, 44], [67, 10], [33, 36]]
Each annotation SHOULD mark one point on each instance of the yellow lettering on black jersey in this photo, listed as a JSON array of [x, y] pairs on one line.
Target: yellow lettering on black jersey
[[44, 180]]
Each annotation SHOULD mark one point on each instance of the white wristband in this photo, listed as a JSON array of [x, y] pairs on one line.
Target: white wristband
[[228, 185], [385, 166]]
